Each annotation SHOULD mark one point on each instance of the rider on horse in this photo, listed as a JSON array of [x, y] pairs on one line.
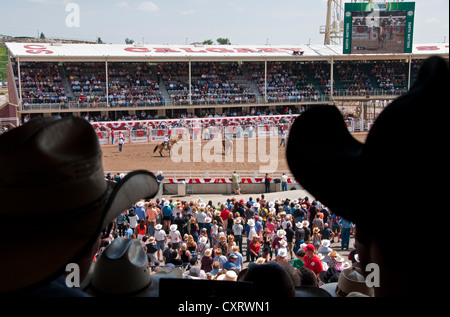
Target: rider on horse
[[166, 142]]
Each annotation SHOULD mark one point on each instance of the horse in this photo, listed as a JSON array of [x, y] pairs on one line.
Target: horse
[[227, 145], [162, 147], [382, 37]]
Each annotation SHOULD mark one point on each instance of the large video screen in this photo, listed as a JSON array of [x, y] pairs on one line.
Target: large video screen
[[372, 28]]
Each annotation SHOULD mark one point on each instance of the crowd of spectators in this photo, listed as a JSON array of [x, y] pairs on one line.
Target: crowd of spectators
[[222, 238], [41, 83], [136, 84], [211, 83]]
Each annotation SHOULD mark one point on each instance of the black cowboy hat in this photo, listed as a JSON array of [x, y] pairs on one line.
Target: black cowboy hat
[[403, 156], [56, 166]]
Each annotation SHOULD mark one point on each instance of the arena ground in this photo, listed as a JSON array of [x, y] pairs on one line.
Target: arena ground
[[141, 156]]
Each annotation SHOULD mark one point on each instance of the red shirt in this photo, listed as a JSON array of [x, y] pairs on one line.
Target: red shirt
[[255, 247], [224, 214], [314, 264]]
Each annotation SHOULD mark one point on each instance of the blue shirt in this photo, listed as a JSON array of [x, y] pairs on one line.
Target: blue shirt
[[346, 224], [229, 265], [167, 211], [129, 232], [140, 212]]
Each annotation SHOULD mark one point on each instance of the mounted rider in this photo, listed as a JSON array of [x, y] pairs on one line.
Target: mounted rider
[[166, 142]]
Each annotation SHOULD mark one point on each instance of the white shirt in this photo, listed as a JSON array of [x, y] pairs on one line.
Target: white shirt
[[175, 236], [160, 235]]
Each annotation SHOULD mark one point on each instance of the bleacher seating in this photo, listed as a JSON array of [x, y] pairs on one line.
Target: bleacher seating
[[212, 83]]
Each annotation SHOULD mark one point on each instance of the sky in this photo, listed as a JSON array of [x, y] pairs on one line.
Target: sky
[[251, 22]]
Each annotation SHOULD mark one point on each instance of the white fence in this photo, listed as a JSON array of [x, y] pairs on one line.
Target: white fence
[[144, 135]]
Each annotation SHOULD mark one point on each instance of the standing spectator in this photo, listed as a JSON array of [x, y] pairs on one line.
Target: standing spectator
[[251, 232], [207, 261], [267, 183], [267, 241], [239, 261], [317, 222], [299, 236], [152, 249], [237, 233], [224, 214], [112, 137], [133, 218], [193, 229], [335, 226], [326, 232], [140, 211], [151, 214], [160, 237], [167, 215], [346, 226], [159, 179], [141, 229], [284, 180], [120, 222], [181, 223], [185, 255], [175, 237], [283, 138], [121, 142], [312, 261], [299, 260], [281, 235], [289, 238], [316, 239], [236, 187]]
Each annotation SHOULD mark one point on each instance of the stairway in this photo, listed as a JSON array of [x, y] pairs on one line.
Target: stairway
[[66, 83]]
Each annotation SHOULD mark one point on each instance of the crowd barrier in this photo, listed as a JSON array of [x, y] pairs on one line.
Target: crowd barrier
[[144, 131]]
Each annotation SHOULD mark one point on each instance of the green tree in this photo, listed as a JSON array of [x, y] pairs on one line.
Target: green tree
[[223, 41], [208, 42], [99, 40], [42, 37], [129, 41]]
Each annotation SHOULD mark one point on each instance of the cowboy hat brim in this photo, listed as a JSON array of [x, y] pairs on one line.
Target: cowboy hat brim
[[71, 202]]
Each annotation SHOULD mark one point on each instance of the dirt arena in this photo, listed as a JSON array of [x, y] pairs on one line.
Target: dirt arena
[[141, 156]]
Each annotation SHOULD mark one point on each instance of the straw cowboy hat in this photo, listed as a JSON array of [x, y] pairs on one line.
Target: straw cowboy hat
[[395, 137], [173, 227], [228, 276], [350, 280], [57, 164], [158, 226], [122, 269], [208, 252], [281, 233], [251, 222]]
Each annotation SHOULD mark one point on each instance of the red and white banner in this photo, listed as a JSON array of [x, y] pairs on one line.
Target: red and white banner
[[253, 180]]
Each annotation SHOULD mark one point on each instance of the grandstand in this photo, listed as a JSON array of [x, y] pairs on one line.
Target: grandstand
[[101, 81]]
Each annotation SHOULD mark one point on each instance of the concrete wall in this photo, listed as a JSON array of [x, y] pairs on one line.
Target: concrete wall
[[221, 188]]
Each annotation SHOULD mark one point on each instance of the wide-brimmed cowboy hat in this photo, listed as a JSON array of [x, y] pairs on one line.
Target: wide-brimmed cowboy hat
[[349, 280], [387, 161], [57, 165], [122, 269]]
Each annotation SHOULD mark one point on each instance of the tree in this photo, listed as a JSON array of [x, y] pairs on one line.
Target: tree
[[129, 41], [208, 42], [223, 41], [99, 40], [42, 37]]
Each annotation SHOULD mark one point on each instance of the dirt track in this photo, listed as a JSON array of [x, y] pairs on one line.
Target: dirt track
[[141, 156]]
